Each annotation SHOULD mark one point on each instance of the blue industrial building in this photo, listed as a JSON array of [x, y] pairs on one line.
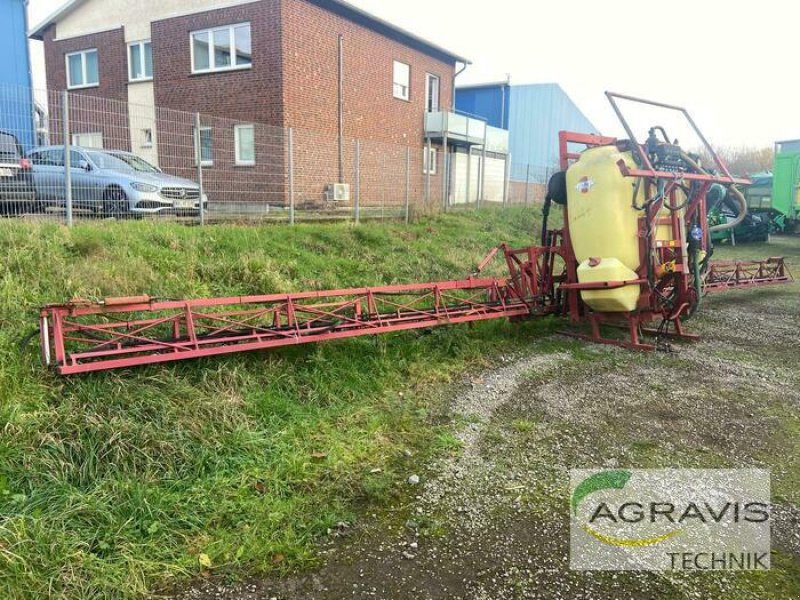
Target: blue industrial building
[[533, 115], [17, 106]]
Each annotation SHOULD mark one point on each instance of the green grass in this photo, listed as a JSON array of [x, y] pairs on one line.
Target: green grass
[[113, 485]]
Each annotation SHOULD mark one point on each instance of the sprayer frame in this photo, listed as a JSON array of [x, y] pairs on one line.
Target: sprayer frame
[[652, 305]]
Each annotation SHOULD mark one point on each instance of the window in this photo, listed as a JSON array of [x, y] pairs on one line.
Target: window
[[10, 150], [431, 93], [402, 77], [222, 49], [88, 140], [147, 138], [206, 146], [48, 158], [82, 69], [245, 141], [429, 158], [140, 61], [76, 159]]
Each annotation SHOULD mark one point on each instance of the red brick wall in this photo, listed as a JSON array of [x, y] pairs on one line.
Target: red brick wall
[[250, 95], [100, 108], [310, 94], [385, 124], [253, 94]]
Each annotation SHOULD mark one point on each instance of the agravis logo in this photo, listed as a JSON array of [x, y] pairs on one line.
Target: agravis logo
[[670, 519]]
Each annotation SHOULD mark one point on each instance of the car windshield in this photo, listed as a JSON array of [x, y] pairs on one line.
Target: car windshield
[[121, 161]]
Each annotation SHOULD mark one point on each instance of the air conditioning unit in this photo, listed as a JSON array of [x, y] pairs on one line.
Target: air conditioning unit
[[338, 192]]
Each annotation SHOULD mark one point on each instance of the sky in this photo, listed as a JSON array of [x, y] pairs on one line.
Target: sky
[[735, 70]]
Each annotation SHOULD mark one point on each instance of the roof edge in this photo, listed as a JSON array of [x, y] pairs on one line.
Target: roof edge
[[488, 84], [410, 38], [37, 33]]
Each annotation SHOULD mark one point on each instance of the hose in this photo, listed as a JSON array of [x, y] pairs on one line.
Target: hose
[[741, 214], [545, 218], [698, 284], [27, 339]]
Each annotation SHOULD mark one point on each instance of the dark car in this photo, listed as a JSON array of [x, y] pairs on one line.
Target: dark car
[[17, 192]]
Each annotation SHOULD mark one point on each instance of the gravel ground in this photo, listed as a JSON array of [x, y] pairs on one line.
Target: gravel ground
[[490, 521]]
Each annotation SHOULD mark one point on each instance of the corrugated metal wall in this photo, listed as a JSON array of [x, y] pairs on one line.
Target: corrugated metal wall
[[16, 100], [536, 113], [490, 102]]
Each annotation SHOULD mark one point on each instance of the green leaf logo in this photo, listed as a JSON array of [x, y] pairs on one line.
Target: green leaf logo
[[611, 480], [606, 480]]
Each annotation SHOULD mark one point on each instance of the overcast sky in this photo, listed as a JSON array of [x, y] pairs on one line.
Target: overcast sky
[[734, 69]]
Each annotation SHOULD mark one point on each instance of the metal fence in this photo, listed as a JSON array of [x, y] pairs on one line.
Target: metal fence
[[77, 156]]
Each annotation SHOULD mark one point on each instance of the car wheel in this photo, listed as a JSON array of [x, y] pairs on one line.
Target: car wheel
[[115, 202]]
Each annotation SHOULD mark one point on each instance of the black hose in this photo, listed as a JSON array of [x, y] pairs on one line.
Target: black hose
[[26, 340], [548, 201]]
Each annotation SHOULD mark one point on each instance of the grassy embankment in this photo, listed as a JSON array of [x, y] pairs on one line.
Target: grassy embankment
[[112, 484]]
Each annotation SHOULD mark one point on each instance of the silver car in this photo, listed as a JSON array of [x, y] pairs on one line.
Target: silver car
[[111, 182]]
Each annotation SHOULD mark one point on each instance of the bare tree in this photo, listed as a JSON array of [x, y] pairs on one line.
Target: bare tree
[[743, 160]]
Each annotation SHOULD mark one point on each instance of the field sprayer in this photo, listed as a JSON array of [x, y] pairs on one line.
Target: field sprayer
[[634, 252]]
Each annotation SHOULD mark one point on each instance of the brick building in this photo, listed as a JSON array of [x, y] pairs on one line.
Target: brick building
[[324, 68]]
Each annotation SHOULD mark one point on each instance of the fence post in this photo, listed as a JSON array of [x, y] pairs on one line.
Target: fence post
[[507, 180], [357, 202], [468, 198], [427, 161], [290, 150], [408, 184], [482, 191], [67, 155], [198, 150], [527, 184], [445, 174]]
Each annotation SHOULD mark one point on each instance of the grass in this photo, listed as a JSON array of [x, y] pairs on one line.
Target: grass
[[114, 485]]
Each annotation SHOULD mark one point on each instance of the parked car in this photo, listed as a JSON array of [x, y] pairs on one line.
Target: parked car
[[17, 192], [111, 182]]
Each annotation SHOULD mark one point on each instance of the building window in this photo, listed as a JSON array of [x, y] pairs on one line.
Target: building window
[[147, 138], [88, 140], [245, 143], [140, 61], [82, 69], [432, 90], [402, 80], [206, 146], [222, 49], [429, 158]]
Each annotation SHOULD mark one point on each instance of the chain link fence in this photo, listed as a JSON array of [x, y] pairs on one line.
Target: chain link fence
[[70, 156]]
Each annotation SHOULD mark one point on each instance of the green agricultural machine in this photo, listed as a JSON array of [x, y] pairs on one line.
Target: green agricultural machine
[[773, 201], [776, 197]]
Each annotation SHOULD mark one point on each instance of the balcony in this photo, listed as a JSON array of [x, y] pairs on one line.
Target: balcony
[[463, 130]]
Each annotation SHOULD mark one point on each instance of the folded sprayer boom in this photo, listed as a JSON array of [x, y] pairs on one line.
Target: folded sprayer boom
[[82, 337]]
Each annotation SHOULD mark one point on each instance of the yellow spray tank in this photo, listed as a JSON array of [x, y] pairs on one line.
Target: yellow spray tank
[[604, 227]]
